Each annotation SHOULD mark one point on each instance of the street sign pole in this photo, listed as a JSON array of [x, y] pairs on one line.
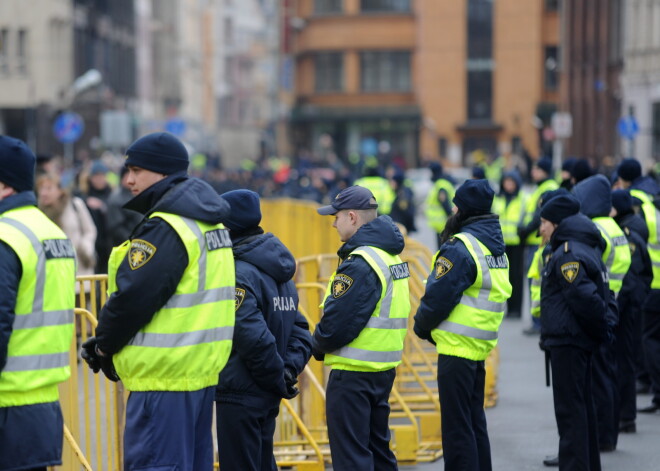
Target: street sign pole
[[68, 153]]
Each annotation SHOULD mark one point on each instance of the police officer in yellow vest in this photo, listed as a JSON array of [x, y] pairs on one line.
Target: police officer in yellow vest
[[461, 312], [168, 324], [645, 193], [362, 331], [438, 201], [595, 198], [37, 297]]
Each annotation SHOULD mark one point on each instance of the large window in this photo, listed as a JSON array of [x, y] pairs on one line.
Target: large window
[[385, 6], [385, 71], [22, 51], [551, 68], [4, 50], [327, 6], [329, 72], [480, 59]]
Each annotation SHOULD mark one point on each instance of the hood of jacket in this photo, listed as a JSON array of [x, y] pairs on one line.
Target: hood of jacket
[[487, 229], [182, 195], [381, 233], [595, 195], [578, 228], [515, 176], [268, 254], [646, 184]]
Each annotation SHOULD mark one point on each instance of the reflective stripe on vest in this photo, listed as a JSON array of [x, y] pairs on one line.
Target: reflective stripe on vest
[[652, 217], [617, 256], [388, 323], [471, 330]]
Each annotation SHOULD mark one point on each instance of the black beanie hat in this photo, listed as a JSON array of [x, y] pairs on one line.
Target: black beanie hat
[[17, 164], [581, 170], [622, 202], [545, 164], [474, 197], [245, 212], [159, 152], [567, 166], [629, 169], [548, 195], [560, 207]]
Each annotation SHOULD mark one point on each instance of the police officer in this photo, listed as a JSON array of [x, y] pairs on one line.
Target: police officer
[[574, 306], [438, 201], [635, 288], [271, 345], [595, 198], [461, 312], [362, 331], [379, 186], [168, 323], [37, 297]]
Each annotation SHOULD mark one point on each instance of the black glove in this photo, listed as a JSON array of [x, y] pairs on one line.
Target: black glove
[[88, 353], [319, 356], [290, 380], [423, 334], [108, 368]]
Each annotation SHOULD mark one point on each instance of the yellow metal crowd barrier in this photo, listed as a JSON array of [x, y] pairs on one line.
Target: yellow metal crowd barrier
[[93, 407]]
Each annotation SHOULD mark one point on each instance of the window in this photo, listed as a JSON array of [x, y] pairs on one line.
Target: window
[[385, 71], [21, 51], [329, 71], [480, 60], [480, 95], [385, 6], [551, 68], [551, 5], [4, 50], [327, 6], [480, 29], [656, 131]]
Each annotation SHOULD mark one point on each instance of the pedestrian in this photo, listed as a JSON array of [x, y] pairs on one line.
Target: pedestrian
[[96, 194], [595, 196], [271, 344], [635, 288], [438, 200], [121, 221], [37, 298], [461, 312], [166, 329], [362, 331], [574, 322], [403, 208]]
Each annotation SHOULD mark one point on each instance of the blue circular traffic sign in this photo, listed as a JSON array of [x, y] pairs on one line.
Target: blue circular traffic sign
[[68, 127], [628, 127]]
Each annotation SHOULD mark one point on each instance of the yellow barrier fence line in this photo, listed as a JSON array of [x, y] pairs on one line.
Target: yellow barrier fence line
[[422, 382], [76, 449], [303, 429], [315, 382]]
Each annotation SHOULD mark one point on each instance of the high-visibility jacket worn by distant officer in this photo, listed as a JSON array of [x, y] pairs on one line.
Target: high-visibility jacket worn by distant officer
[[509, 217], [471, 329], [531, 205], [616, 256], [382, 191], [188, 341], [38, 350], [652, 217], [436, 215], [379, 346], [535, 274]]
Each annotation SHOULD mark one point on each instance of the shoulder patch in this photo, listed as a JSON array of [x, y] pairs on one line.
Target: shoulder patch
[[442, 267], [240, 296], [140, 253], [570, 271], [341, 284]]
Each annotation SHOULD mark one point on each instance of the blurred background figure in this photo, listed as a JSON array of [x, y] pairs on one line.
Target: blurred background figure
[[96, 197], [121, 221], [438, 201], [403, 208]]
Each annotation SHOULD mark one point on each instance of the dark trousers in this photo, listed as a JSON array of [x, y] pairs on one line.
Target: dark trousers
[[168, 430], [516, 268], [652, 351], [465, 440], [625, 361], [357, 412], [574, 410], [606, 395], [245, 437]]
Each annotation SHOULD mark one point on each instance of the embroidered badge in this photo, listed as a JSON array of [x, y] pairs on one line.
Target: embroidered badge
[[140, 253], [570, 271], [341, 284], [442, 267], [240, 296]]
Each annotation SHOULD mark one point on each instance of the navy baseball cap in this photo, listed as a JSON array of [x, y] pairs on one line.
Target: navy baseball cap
[[353, 197]]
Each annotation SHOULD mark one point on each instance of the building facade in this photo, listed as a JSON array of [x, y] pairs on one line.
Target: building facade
[[429, 78]]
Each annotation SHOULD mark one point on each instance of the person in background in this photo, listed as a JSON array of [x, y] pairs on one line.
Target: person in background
[[362, 331], [581, 171], [565, 175], [121, 221], [461, 312], [478, 173], [378, 185], [438, 201], [403, 208], [574, 322], [508, 204], [37, 298], [71, 215], [271, 344], [96, 198]]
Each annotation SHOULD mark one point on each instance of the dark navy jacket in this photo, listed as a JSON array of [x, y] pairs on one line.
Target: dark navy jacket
[[444, 293], [637, 282], [575, 295], [143, 291], [270, 334], [345, 317]]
